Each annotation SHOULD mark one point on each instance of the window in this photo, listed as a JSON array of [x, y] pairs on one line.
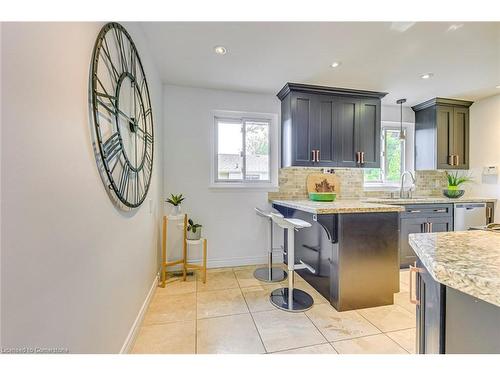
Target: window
[[393, 159], [243, 150]]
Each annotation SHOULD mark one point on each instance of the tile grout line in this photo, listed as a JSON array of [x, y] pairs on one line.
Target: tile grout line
[[307, 316], [394, 341], [251, 315]]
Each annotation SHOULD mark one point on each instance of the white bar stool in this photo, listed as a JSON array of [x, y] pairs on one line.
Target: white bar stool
[[269, 274], [291, 299]]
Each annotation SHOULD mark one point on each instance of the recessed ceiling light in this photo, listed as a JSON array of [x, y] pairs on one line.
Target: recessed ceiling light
[[220, 50], [455, 27], [402, 26], [335, 64], [427, 75]]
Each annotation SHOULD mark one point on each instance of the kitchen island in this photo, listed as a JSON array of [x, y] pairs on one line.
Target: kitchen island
[[457, 291], [351, 247]]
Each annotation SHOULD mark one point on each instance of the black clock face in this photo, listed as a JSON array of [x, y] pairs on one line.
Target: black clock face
[[122, 115]]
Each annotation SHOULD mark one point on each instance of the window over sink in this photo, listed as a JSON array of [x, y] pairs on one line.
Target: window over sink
[[396, 157], [245, 150]]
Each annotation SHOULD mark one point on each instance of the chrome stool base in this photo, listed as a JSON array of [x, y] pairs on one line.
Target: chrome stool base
[[302, 301], [270, 275]]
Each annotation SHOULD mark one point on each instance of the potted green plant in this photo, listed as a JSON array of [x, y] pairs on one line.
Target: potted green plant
[[454, 181], [175, 201], [193, 230]]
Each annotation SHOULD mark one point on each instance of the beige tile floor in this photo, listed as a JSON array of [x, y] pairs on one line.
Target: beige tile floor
[[231, 313]]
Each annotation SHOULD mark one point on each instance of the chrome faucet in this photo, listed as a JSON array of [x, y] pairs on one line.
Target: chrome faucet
[[402, 192]]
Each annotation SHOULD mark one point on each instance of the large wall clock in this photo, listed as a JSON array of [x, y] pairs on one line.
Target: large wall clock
[[122, 118]]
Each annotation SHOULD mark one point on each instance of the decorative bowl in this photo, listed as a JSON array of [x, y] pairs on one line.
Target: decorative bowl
[[322, 197], [453, 193]]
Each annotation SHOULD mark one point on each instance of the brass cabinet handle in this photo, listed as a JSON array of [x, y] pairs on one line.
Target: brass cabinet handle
[[450, 159], [362, 157], [358, 157], [414, 211], [488, 212], [413, 270], [457, 159], [313, 156], [430, 227], [317, 155], [440, 210]]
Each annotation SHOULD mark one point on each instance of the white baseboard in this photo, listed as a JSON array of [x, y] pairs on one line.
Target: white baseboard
[[242, 261], [134, 330]]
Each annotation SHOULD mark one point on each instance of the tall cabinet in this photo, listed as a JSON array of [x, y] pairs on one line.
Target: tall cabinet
[[442, 134], [330, 127]]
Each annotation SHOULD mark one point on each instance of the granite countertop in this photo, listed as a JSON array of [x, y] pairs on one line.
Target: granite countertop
[[465, 261], [429, 200], [337, 207]]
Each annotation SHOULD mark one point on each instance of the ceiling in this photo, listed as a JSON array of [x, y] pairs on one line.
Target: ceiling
[[383, 56]]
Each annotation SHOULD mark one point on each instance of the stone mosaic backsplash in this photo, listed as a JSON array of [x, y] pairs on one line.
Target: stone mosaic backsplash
[[292, 183]]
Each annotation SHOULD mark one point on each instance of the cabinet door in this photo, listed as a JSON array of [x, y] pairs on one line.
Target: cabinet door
[[490, 212], [323, 141], [461, 137], [303, 129], [430, 313], [368, 133], [407, 226], [444, 126], [440, 224], [347, 122]]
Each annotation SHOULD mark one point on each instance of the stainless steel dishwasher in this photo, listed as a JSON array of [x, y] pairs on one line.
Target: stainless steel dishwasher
[[468, 215]]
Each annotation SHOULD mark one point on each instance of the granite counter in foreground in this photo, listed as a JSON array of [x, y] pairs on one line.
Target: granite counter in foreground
[[337, 207], [466, 261]]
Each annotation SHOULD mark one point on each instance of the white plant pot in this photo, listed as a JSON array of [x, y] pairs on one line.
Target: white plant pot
[[194, 236], [176, 210]]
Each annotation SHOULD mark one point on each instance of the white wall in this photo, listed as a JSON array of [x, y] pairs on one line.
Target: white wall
[[484, 148], [75, 270], [236, 235]]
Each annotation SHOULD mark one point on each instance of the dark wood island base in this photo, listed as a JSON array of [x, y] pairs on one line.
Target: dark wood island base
[[354, 256]]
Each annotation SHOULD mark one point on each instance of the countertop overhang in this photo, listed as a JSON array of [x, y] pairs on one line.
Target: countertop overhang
[[337, 207], [429, 200], [465, 261]]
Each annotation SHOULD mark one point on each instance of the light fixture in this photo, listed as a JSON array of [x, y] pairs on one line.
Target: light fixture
[[402, 135], [335, 64], [427, 75], [220, 50]]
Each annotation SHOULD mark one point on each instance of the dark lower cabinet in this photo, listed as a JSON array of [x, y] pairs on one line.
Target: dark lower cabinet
[[430, 313], [490, 212], [421, 219], [452, 322]]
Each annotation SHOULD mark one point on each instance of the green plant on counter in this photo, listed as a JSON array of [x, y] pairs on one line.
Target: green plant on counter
[[192, 226], [455, 180], [175, 200]]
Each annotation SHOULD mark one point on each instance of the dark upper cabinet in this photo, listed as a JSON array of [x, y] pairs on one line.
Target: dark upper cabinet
[[346, 132], [369, 133], [442, 134], [329, 127]]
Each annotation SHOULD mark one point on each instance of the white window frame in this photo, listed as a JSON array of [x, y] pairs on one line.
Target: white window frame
[[407, 162], [272, 119]]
